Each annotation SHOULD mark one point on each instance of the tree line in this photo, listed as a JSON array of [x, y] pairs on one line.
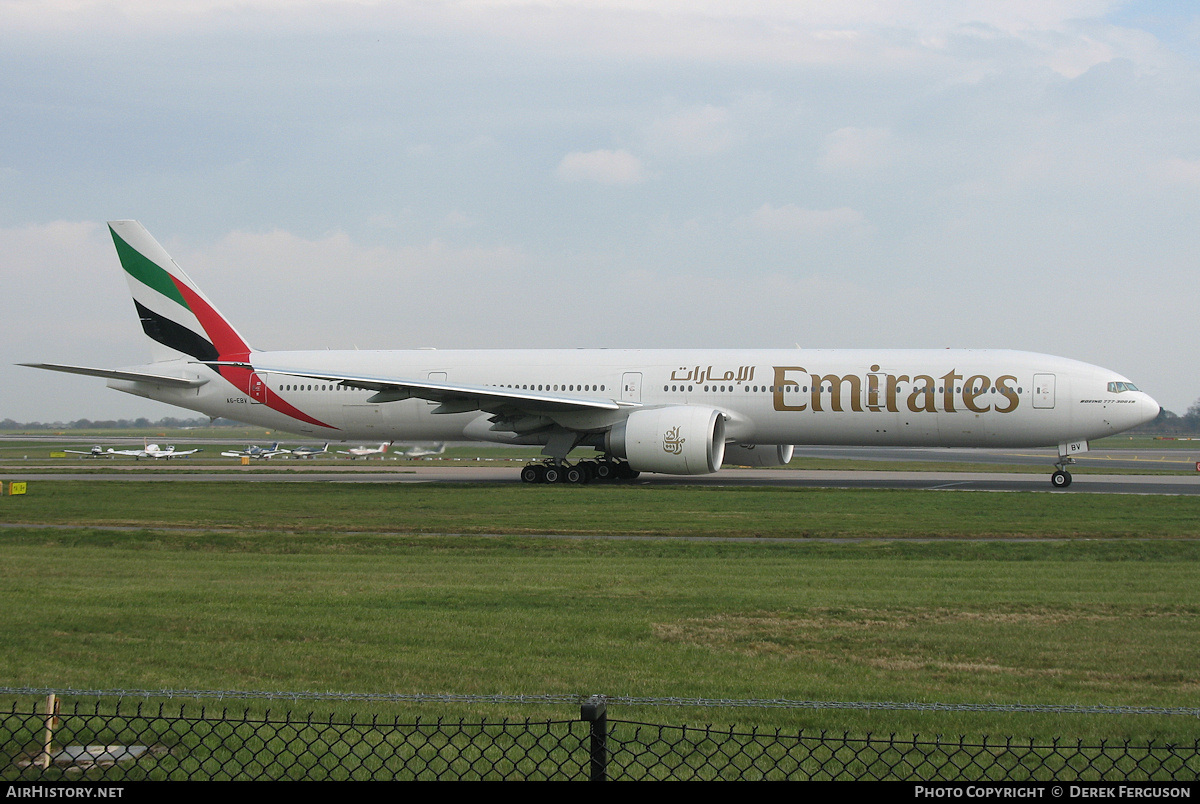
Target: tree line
[[1169, 423], [167, 423]]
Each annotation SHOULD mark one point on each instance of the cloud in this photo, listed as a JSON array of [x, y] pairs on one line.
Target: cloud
[[891, 32], [857, 149], [602, 167], [1179, 171], [790, 219], [699, 131], [900, 143]]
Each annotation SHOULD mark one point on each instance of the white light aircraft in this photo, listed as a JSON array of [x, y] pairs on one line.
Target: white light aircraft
[[309, 452], [681, 412], [364, 452], [95, 452], [255, 451], [153, 451], [423, 450]]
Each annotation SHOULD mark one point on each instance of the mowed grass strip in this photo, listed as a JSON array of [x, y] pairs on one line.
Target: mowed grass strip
[[602, 510], [1066, 622], [333, 587]]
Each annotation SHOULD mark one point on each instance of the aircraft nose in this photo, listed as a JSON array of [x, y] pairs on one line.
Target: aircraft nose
[[1149, 409]]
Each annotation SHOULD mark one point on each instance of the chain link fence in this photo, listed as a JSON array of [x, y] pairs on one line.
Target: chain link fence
[[126, 739]]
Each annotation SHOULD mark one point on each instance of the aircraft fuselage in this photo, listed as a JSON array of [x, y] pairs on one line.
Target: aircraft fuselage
[[952, 398]]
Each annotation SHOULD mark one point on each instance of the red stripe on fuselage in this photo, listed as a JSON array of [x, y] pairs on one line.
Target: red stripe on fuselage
[[230, 346], [240, 378]]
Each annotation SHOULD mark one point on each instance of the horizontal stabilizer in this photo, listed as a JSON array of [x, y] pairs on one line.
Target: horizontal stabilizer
[[116, 374]]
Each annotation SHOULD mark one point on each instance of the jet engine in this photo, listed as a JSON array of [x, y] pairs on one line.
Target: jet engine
[[758, 454], [677, 440]]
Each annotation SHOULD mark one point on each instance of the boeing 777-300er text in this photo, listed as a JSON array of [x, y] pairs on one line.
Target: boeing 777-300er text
[[680, 412]]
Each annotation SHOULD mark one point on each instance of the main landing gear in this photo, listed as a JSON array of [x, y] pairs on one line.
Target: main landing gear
[[583, 472]]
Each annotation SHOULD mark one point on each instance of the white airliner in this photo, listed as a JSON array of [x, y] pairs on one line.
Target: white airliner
[[681, 412]]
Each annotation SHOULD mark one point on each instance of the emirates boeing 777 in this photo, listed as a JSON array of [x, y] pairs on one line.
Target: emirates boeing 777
[[671, 411]]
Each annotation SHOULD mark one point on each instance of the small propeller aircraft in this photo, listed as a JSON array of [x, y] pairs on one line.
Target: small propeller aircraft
[[255, 451], [95, 452], [364, 452], [309, 452], [421, 450], [152, 451]]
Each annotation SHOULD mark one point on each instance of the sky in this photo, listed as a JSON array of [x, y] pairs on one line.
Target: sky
[[604, 173]]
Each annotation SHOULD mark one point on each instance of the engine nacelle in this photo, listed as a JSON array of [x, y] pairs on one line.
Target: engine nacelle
[[679, 440], [758, 455]]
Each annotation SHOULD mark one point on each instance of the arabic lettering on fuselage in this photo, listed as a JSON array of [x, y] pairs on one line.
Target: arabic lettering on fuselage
[[796, 388], [700, 375]]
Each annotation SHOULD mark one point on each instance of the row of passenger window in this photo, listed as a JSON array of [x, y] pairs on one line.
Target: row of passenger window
[[549, 387], [318, 387], [770, 389], [526, 387], [720, 389]]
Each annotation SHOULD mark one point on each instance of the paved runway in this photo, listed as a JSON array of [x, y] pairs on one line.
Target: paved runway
[[1145, 462], [777, 478], [1175, 459]]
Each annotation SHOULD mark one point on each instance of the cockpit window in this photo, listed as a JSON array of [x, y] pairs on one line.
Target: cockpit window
[[1118, 387]]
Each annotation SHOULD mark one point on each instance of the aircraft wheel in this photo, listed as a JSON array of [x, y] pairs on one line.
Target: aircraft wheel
[[553, 474], [604, 471], [1060, 479], [529, 474], [576, 475]]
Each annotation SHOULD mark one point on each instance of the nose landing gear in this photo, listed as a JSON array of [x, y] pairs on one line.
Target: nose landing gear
[[1066, 450], [1061, 477]]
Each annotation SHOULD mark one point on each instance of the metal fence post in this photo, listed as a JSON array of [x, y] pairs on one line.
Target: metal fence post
[[595, 711]]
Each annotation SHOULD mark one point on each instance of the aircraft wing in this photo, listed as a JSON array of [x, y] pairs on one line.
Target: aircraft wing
[[453, 397]]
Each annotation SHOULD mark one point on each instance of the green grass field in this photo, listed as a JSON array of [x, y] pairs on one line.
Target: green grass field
[[287, 511], [316, 587]]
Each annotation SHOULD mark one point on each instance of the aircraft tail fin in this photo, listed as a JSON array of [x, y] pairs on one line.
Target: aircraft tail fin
[[176, 316]]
